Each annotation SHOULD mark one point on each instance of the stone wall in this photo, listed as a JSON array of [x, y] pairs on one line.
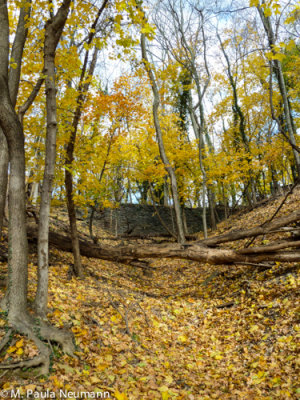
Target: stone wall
[[142, 220]]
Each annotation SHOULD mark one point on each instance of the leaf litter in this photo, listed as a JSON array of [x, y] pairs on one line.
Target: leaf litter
[[176, 330]]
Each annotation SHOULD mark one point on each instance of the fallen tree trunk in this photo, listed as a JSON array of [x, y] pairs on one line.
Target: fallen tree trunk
[[252, 232], [128, 254]]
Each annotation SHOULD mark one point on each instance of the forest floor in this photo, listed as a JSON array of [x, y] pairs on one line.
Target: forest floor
[[176, 330]]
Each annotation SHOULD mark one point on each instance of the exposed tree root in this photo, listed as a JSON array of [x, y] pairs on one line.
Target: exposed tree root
[[39, 332], [42, 361], [6, 339], [62, 337]]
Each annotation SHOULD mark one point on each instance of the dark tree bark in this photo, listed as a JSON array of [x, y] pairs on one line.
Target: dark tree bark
[[82, 90], [24, 107], [68, 163], [17, 52]]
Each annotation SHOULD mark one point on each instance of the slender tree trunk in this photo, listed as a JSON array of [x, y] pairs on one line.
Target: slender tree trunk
[[83, 89], [78, 270], [198, 125], [163, 155], [282, 86], [239, 123], [190, 64], [211, 202], [166, 191], [204, 191], [53, 31], [199, 135]]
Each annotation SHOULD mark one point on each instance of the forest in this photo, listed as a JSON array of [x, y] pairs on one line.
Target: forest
[[174, 104]]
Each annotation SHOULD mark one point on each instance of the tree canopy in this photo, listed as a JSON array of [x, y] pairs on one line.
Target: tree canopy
[[175, 103]]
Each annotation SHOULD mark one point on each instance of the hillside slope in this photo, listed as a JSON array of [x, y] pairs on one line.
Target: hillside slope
[[174, 330]]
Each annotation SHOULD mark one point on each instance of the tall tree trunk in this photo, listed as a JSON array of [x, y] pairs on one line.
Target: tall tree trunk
[[82, 90], [239, 123], [17, 287], [163, 155], [198, 133], [13, 85], [281, 83], [53, 31], [12, 129], [198, 123], [18, 317]]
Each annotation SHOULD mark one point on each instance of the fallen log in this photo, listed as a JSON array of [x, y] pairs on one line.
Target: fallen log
[[252, 232], [87, 249], [130, 253], [270, 248]]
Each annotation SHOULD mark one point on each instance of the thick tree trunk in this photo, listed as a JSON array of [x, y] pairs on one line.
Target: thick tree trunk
[[18, 316], [163, 155], [17, 287], [14, 144], [3, 176], [53, 31], [13, 84]]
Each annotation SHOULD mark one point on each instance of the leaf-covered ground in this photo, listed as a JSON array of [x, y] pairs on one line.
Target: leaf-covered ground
[[177, 330]]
